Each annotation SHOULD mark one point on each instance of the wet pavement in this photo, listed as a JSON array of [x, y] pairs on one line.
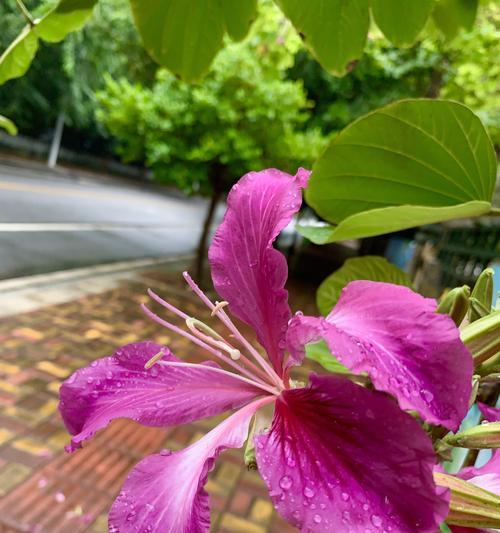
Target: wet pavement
[[45, 490]]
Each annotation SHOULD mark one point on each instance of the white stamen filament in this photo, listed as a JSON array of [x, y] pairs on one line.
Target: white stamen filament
[[267, 388], [233, 353], [212, 337], [199, 342], [223, 317]]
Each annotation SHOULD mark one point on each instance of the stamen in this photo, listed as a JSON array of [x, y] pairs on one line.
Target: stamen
[[194, 323], [218, 307], [154, 360], [223, 317], [267, 388], [212, 338], [199, 342]]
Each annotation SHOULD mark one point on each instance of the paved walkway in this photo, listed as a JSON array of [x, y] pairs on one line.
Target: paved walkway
[[43, 489]]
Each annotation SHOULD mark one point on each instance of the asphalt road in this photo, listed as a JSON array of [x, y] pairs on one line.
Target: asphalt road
[[51, 221]]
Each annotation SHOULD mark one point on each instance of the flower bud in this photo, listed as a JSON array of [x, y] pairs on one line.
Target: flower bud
[[455, 303], [482, 296], [482, 338], [470, 506], [486, 435]]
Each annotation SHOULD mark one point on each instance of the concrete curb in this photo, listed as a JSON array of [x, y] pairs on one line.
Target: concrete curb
[[26, 294]]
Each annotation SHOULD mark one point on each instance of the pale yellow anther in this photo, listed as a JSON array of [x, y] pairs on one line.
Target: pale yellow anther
[[218, 307], [234, 354], [154, 360]]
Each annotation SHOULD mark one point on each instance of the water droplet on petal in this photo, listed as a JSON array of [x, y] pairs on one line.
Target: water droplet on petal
[[376, 520], [345, 496], [427, 394], [309, 492], [317, 519], [286, 482]]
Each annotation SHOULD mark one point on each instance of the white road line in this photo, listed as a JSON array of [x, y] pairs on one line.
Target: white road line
[[21, 227]]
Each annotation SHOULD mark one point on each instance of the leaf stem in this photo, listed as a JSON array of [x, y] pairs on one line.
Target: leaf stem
[[25, 12]]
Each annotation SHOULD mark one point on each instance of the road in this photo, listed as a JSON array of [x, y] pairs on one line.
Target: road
[[50, 221]]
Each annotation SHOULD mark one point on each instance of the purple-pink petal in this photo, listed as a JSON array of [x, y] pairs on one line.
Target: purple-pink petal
[[488, 475], [246, 270], [395, 335], [120, 387], [165, 492], [339, 457]]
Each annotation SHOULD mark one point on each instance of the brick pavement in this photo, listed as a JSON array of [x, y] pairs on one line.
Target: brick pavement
[[43, 489]]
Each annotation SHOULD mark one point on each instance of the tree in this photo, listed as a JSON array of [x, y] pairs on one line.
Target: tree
[[244, 115]]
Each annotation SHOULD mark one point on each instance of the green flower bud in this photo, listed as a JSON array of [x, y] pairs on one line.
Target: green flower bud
[[486, 435], [482, 296], [455, 303], [470, 506], [482, 338]]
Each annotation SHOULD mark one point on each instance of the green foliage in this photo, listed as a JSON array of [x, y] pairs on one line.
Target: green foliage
[[66, 16], [384, 74], [108, 44], [411, 163], [401, 22], [368, 267], [453, 15], [333, 30], [474, 70], [319, 352], [186, 36], [244, 115], [8, 125]]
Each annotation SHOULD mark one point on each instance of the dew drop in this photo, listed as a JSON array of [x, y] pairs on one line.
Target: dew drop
[[427, 394], [376, 520], [317, 519], [286, 482], [345, 496], [309, 492], [291, 462]]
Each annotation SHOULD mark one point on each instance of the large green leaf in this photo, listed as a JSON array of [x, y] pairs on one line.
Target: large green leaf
[[334, 30], [411, 163], [238, 16], [319, 352], [452, 15], [15, 61], [369, 267], [401, 21], [8, 125], [183, 36], [67, 16]]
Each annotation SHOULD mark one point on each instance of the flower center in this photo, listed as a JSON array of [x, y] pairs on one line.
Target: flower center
[[250, 364]]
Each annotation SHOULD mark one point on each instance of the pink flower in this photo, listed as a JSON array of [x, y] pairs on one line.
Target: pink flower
[[338, 456]]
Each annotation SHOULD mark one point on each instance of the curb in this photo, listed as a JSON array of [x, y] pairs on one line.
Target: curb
[[74, 274]]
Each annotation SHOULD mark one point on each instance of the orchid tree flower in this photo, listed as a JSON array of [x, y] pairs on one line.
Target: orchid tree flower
[[337, 456], [487, 476]]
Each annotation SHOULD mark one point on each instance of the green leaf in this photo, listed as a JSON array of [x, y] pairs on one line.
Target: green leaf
[[334, 30], [320, 353], [452, 15], [369, 267], [182, 36], [413, 162], [15, 61], [8, 125], [238, 16], [401, 21], [67, 16]]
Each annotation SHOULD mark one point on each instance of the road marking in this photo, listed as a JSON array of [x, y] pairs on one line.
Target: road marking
[[138, 197], [26, 227]]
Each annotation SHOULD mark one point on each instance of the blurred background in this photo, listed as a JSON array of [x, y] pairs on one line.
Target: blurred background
[[116, 182]]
